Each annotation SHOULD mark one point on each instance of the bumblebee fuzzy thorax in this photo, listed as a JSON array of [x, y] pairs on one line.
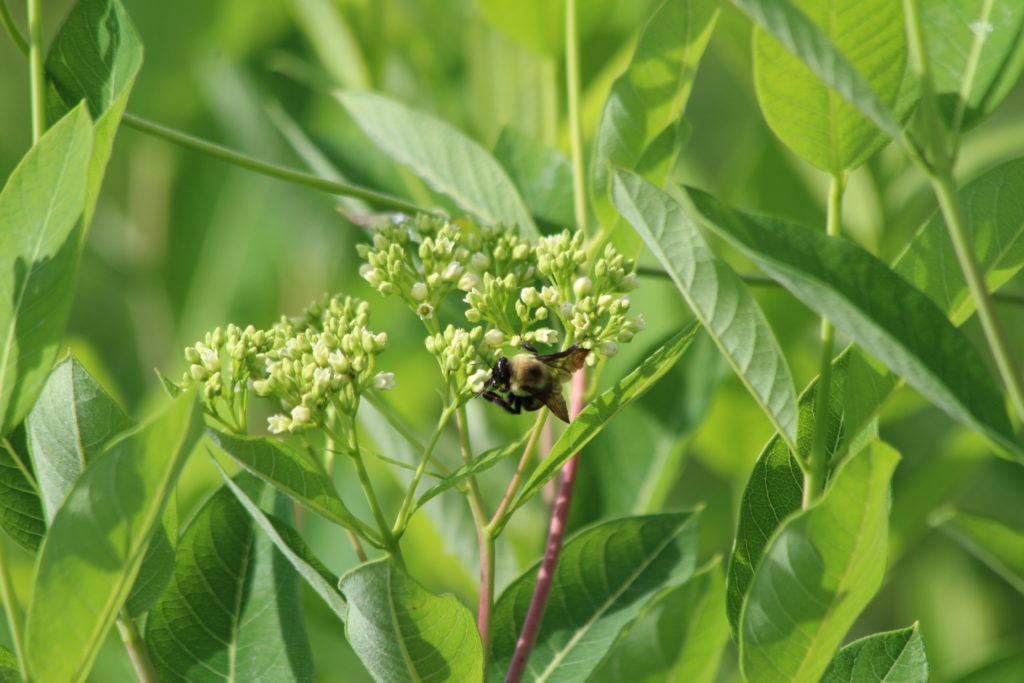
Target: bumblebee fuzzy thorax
[[527, 375]]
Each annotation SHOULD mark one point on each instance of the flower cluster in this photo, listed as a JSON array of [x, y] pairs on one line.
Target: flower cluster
[[322, 360], [464, 357], [420, 259]]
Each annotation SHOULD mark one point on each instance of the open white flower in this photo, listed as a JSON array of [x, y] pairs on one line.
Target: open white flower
[[384, 381], [278, 423]]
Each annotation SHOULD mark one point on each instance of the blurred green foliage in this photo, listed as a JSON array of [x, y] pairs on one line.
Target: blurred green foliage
[[181, 243]]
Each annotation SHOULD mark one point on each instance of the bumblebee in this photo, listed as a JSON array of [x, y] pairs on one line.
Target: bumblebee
[[530, 381]]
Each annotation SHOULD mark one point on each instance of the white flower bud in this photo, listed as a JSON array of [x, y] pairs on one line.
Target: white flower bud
[[434, 280], [549, 295], [473, 315], [546, 335], [384, 381], [582, 286], [452, 271], [608, 348], [477, 380], [629, 282], [468, 282], [530, 297], [639, 323], [198, 372], [494, 337], [322, 375], [380, 342], [521, 252], [301, 414], [385, 288], [419, 291], [370, 274], [480, 261], [278, 423], [565, 309]]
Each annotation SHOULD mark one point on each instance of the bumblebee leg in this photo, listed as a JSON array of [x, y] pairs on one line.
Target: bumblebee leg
[[512, 407], [530, 347]]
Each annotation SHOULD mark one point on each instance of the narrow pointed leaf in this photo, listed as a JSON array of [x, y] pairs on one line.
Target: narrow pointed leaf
[[813, 119], [289, 470], [71, 423], [444, 157], [883, 314], [95, 56], [892, 657], [976, 49], [602, 409], [818, 572], [403, 633], [605, 577], [641, 122], [40, 208], [716, 294], [97, 542], [994, 213], [994, 543], [481, 463], [231, 611], [680, 636], [804, 39], [290, 544]]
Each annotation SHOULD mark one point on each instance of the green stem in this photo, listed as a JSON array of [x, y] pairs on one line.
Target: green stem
[[816, 465], [12, 29], [378, 199], [36, 74], [940, 172], [572, 76], [498, 521], [406, 509], [137, 650], [389, 539], [13, 609], [484, 539]]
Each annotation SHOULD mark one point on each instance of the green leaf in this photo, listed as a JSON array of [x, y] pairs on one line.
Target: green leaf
[[71, 423], [481, 463], [1005, 665], [605, 576], [896, 323], [231, 611], [403, 633], [97, 541], [804, 39], [9, 672], [291, 471], [335, 42], [811, 118], [95, 56], [976, 51], [21, 510], [157, 566], [444, 157], [997, 545], [716, 294], [40, 244], [994, 217], [292, 546], [891, 657], [775, 487], [818, 572], [641, 125], [602, 409], [543, 175], [679, 637]]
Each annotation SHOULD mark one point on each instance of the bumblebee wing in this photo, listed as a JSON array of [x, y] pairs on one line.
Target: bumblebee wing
[[556, 402], [565, 363]]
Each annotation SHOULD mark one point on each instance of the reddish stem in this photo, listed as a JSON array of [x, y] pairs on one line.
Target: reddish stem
[[556, 534]]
